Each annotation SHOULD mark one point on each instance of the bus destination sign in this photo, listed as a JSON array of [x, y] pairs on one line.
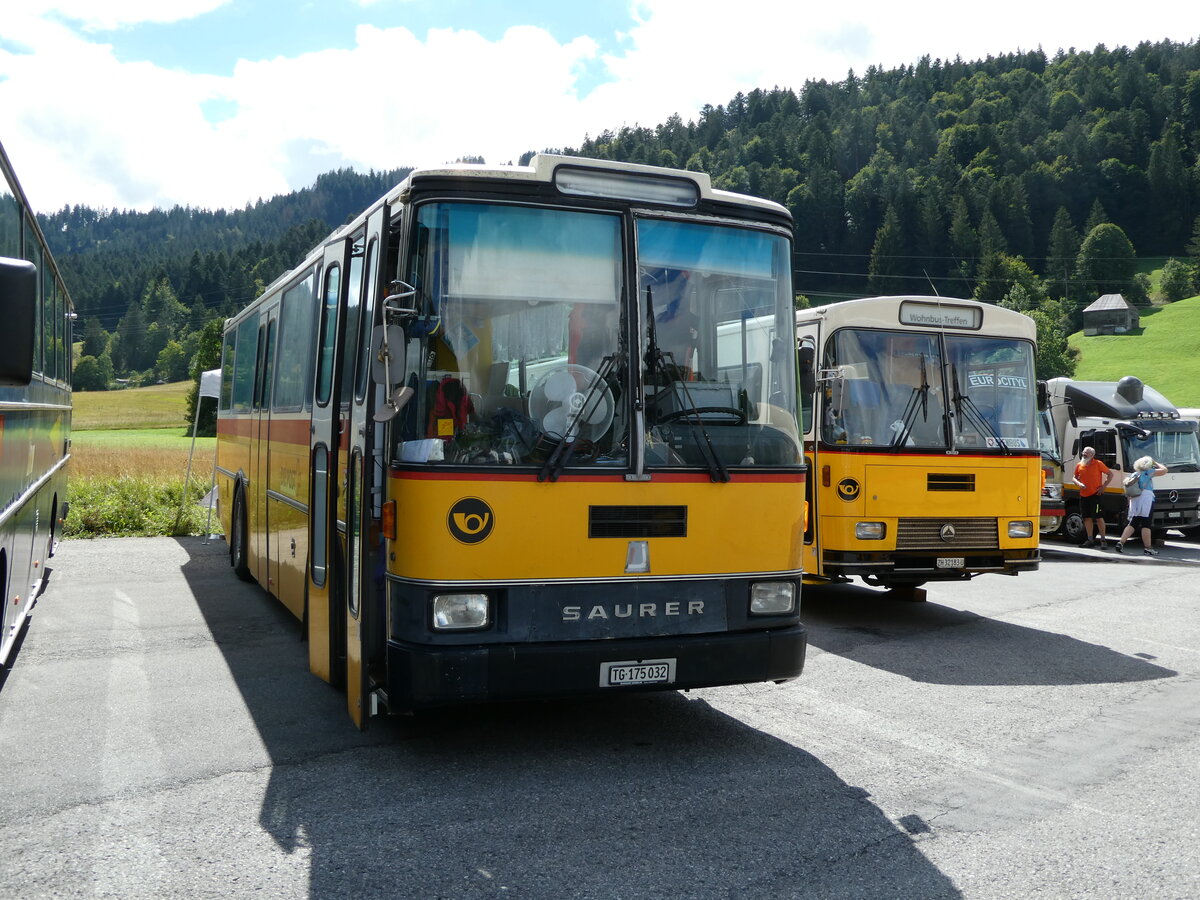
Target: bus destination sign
[[940, 315]]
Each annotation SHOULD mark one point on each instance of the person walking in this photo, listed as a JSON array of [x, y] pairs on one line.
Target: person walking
[[1092, 476], [1140, 506]]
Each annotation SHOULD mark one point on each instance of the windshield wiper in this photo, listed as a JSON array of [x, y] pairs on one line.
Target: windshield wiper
[[966, 408], [917, 400], [656, 361]]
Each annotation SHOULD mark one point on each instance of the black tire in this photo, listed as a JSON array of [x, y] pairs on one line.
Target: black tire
[[237, 537], [1072, 527]]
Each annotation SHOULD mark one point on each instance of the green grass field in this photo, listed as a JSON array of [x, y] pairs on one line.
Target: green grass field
[[158, 406], [1164, 353], [129, 460]]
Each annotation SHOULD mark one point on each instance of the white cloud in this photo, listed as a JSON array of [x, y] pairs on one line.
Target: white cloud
[[84, 127], [93, 15]]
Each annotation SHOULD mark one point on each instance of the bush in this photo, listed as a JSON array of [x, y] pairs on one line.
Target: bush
[[1177, 281], [133, 506]]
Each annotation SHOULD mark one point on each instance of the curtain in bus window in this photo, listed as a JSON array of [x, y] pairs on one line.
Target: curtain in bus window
[[514, 253]]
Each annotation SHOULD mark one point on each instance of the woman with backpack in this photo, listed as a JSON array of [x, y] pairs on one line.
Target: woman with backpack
[[1145, 471]]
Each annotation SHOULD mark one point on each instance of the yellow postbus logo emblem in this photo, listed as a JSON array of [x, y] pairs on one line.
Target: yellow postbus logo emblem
[[848, 489], [470, 520]]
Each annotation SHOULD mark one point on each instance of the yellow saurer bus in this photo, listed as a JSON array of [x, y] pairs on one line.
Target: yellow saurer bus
[[922, 442], [526, 431]]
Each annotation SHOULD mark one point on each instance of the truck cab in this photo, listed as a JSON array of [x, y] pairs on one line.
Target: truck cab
[[1124, 421]]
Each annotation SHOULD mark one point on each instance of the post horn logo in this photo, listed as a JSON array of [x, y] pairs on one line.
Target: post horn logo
[[470, 520], [848, 489]]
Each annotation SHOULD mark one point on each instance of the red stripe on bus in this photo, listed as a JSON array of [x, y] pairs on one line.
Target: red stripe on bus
[[664, 477]]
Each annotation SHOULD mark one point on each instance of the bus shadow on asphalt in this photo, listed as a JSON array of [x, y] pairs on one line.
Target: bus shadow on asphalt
[[643, 794], [935, 644]]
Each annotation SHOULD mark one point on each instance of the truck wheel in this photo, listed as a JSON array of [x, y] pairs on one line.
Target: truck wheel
[[1072, 527]]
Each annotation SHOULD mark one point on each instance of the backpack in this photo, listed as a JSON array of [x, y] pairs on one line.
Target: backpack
[[1133, 485]]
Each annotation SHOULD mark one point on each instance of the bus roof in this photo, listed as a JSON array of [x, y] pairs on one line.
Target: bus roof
[[544, 168], [949, 314]]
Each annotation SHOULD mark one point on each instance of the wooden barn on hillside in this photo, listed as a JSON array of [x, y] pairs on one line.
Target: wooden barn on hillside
[[1110, 314]]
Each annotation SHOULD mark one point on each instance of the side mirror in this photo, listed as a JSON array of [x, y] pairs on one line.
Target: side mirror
[[1071, 415], [1043, 396], [18, 310], [387, 368], [808, 377]]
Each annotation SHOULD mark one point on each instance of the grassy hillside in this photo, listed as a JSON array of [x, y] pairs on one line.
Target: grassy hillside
[[157, 406], [1164, 353]]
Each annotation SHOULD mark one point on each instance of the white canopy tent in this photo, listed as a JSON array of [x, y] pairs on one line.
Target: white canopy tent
[[210, 386]]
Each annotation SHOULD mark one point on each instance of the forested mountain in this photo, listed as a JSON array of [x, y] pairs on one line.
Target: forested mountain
[[930, 169], [1021, 179]]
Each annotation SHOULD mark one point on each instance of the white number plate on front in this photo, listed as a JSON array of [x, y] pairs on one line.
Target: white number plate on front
[[951, 562], [646, 671]]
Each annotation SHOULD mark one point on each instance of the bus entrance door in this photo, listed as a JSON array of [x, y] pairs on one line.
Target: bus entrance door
[[360, 499], [325, 636]]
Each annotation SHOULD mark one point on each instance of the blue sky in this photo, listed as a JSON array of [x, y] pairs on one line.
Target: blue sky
[[216, 103]]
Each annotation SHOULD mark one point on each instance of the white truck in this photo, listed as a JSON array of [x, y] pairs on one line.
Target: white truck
[[1124, 421]]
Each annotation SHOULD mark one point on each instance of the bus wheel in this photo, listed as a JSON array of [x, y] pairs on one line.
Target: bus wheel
[[237, 537]]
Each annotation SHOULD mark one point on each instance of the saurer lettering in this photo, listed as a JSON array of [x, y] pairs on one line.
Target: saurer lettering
[[633, 610]]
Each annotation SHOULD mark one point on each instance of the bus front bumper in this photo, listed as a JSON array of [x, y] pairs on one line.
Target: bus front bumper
[[423, 676], [926, 566]]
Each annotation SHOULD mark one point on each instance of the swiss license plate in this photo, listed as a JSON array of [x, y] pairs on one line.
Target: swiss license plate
[[1174, 514], [646, 671], [951, 562]]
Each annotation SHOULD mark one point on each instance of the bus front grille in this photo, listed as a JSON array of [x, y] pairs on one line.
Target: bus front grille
[[637, 521], [946, 534]]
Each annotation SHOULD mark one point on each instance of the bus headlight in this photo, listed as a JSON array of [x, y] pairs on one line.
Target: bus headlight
[[1021, 529], [870, 531], [772, 598], [459, 612]]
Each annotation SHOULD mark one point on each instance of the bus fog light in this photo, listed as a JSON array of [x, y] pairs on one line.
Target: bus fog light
[[870, 531], [772, 598], [456, 612], [1021, 529]]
